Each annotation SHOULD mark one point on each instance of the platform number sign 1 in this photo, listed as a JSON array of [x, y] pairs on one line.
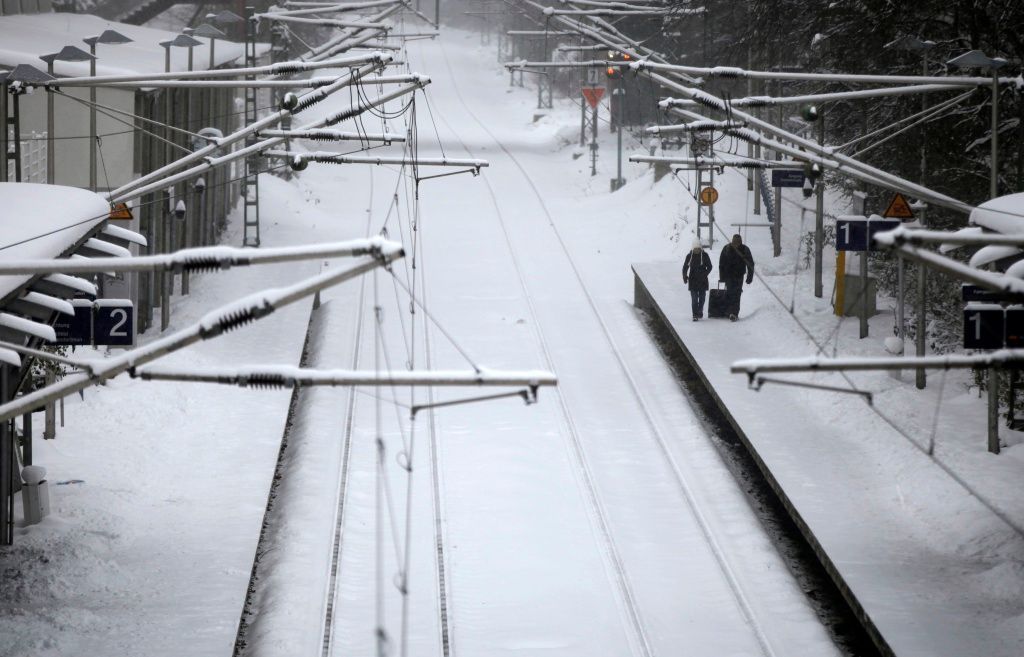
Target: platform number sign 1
[[984, 326], [852, 234]]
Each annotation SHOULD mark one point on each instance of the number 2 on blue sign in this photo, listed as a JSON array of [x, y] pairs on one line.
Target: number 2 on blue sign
[[122, 316]]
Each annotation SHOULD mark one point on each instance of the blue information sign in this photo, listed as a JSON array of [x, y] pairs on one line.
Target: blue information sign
[[1014, 327], [970, 292], [880, 226], [75, 329], [114, 323], [854, 233], [787, 177], [851, 235], [984, 326]]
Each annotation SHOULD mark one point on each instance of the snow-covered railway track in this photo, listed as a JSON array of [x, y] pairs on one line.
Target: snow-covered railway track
[[249, 605], [341, 497], [616, 562]]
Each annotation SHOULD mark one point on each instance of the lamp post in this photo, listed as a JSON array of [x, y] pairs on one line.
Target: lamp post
[[208, 31], [113, 38], [165, 282], [225, 18], [978, 59], [67, 54], [914, 44]]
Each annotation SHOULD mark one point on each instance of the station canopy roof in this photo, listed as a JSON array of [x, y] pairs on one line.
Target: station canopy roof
[[1004, 214], [25, 37], [44, 222]]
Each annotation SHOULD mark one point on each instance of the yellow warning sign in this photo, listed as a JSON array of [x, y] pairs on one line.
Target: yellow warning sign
[[120, 212], [898, 208], [708, 196]]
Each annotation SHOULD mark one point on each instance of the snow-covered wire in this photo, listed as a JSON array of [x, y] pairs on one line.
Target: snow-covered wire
[[938, 112]]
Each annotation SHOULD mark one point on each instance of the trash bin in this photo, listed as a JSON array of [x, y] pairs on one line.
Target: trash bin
[[35, 494]]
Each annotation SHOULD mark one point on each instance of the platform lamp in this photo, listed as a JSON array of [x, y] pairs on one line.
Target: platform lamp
[[16, 83], [67, 54], [913, 44], [180, 41], [978, 59], [112, 38], [225, 18], [208, 31]]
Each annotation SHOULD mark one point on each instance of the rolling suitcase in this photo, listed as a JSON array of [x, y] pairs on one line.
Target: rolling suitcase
[[718, 302]]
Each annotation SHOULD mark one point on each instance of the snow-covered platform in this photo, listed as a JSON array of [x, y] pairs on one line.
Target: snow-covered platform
[[923, 562]]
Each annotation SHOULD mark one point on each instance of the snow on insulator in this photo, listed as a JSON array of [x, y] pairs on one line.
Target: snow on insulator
[[124, 234], [9, 357], [28, 327], [107, 248], [48, 301], [989, 254], [75, 283], [728, 72]]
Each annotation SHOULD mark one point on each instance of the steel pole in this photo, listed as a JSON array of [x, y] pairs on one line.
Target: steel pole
[[6, 470], [921, 310], [993, 190], [863, 294], [819, 227], [900, 301], [921, 379], [92, 119], [993, 373], [3, 133], [51, 160]]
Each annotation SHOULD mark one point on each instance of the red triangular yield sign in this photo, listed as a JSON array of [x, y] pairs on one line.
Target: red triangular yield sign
[[593, 95], [898, 208]]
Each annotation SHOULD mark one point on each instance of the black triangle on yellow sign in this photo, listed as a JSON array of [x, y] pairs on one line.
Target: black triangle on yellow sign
[[898, 208]]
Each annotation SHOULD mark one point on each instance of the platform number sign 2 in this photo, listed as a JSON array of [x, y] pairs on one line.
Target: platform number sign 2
[[113, 323], [106, 322]]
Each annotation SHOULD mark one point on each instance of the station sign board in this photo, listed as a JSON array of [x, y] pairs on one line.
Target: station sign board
[[75, 330], [787, 177], [854, 233], [113, 322], [970, 292], [104, 322], [985, 326]]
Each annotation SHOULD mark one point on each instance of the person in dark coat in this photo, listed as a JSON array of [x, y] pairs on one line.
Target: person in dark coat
[[696, 268], [733, 264]]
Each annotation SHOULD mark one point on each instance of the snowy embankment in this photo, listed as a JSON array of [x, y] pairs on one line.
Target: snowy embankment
[[158, 489], [151, 554]]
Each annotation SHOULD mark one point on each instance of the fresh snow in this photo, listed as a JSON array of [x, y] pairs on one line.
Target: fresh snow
[[158, 489]]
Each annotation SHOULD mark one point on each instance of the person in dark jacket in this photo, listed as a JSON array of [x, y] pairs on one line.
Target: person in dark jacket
[[733, 264], [696, 268]]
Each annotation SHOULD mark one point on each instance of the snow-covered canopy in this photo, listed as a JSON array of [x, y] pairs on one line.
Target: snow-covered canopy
[[44, 221], [1003, 215], [24, 37]]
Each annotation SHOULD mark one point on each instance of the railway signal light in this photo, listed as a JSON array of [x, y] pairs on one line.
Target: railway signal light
[[615, 72]]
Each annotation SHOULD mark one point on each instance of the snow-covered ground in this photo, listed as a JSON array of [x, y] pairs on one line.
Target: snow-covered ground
[[599, 521]]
